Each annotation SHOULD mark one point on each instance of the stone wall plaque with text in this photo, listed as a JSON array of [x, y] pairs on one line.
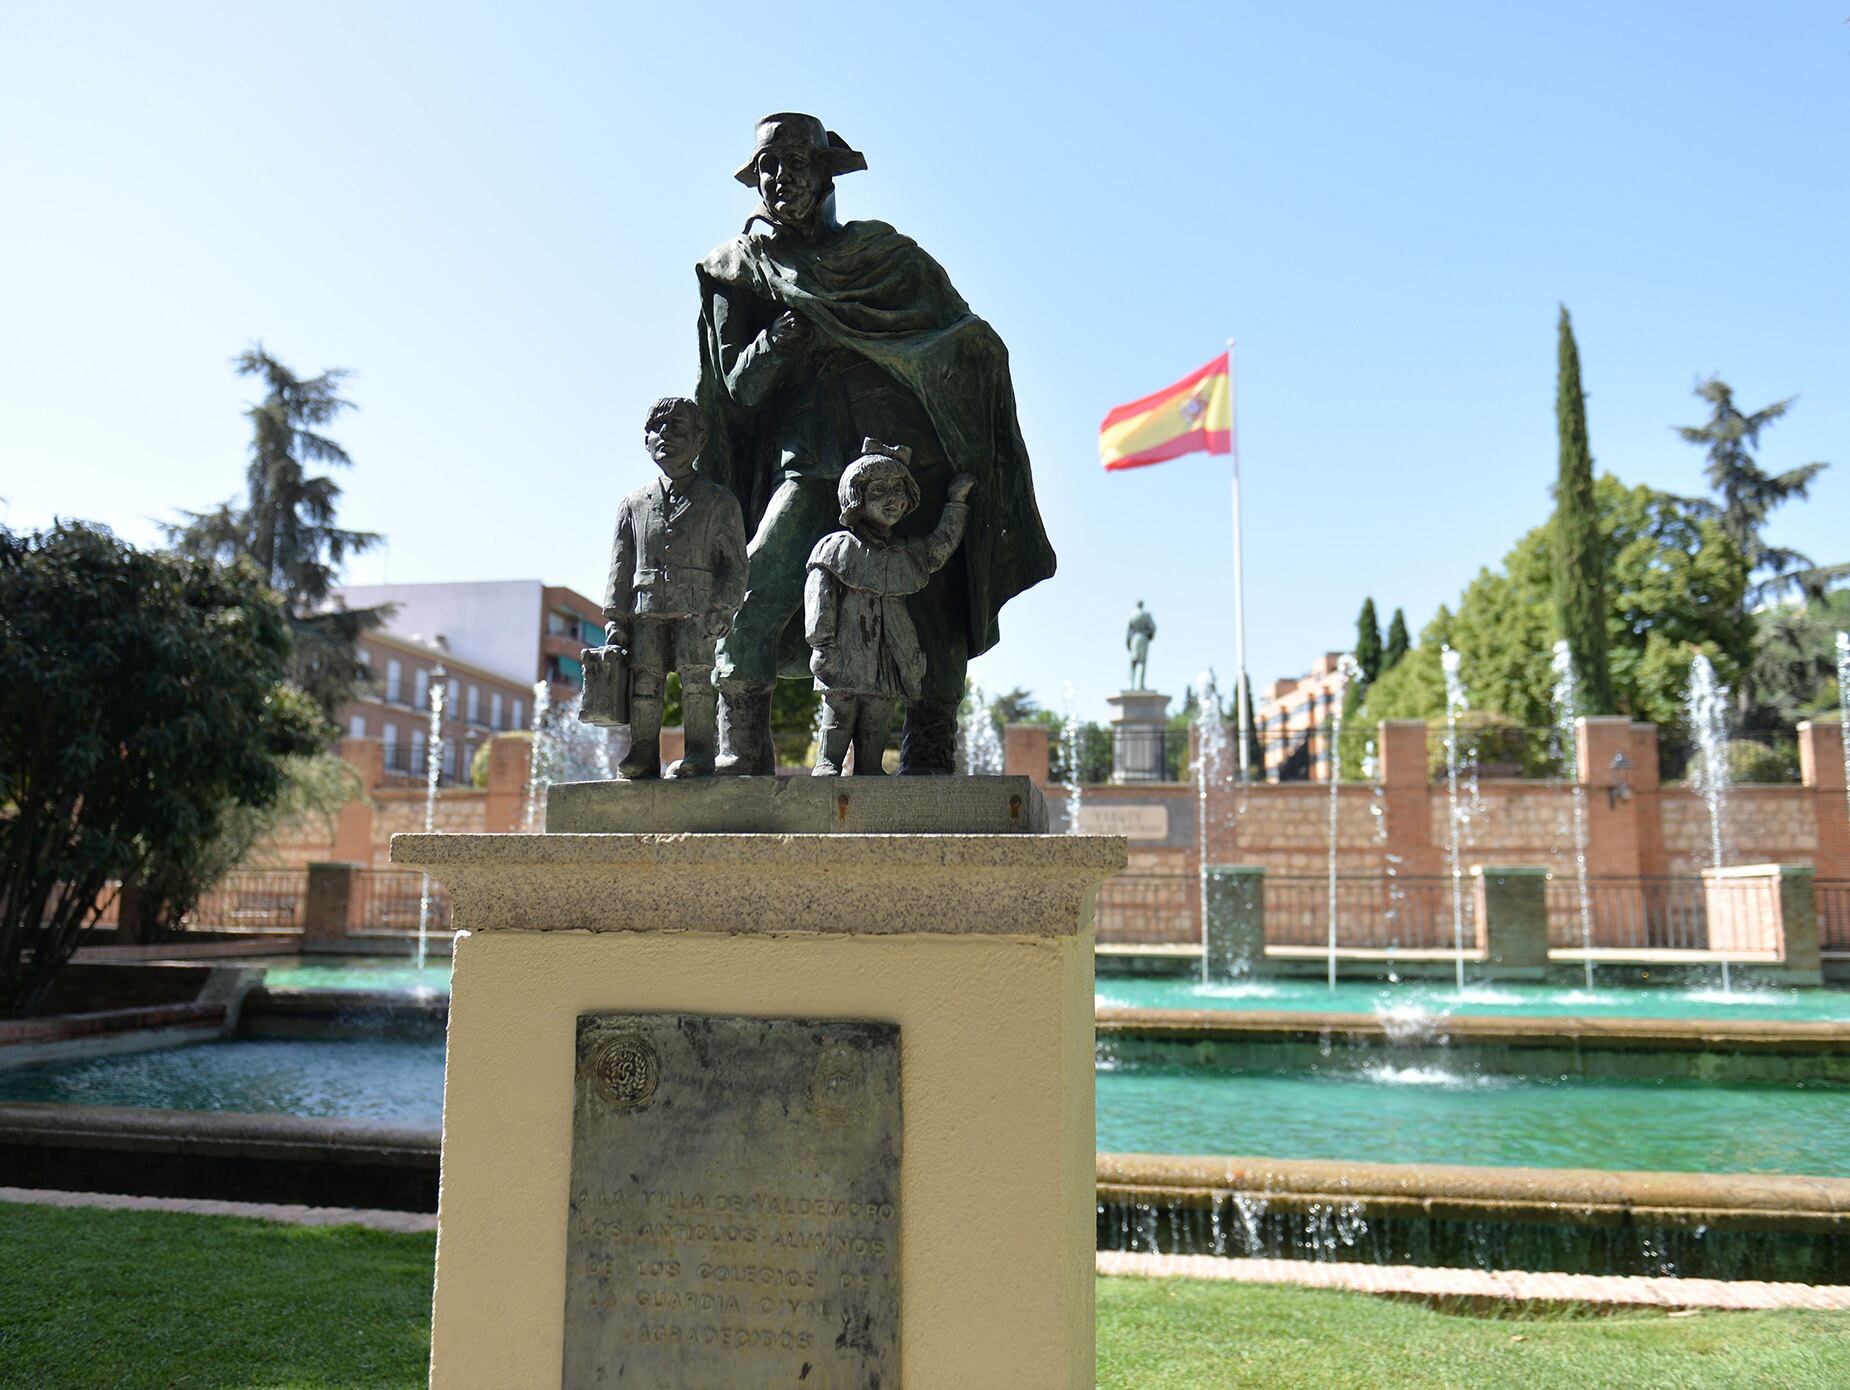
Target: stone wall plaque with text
[[734, 1213]]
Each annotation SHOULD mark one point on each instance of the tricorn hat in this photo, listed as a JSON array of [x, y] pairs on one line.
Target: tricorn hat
[[792, 129]]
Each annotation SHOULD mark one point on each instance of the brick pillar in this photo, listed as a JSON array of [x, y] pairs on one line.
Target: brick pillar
[[332, 906], [1648, 802], [1234, 942], [1612, 821], [1821, 768], [353, 823], [1512, 920], [1769, 910], [1406, 797], [510, 757], [1024, 752], [367, 755]]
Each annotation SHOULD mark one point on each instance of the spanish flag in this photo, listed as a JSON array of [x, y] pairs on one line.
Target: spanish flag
[[1194, 415]]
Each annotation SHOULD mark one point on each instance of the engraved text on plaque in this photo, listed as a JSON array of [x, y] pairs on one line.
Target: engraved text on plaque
[[734, 1217]]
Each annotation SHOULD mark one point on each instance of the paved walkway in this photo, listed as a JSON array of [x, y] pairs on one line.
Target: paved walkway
[[1512, 1285], [260, 1211]]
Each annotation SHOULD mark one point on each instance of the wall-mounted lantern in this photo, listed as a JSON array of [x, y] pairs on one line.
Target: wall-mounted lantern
[[1621, 787]]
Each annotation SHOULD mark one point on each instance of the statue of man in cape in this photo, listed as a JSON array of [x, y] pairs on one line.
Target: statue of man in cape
[[816, 335]]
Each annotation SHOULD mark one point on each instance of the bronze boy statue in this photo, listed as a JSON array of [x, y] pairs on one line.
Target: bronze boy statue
[[864, 649], [677, 575]]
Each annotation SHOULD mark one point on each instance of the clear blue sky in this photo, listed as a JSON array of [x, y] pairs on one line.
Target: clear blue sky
[[491, 214]]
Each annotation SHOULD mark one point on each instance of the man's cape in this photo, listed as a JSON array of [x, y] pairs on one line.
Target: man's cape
[[873, 291]]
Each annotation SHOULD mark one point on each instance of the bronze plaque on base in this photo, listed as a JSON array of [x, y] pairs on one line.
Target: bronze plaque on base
[[734, 1215]]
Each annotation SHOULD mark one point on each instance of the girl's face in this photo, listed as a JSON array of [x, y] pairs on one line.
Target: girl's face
[[887, 501]]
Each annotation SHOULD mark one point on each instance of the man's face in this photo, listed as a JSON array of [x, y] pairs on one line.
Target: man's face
[[673, 442], [790, 184], [887, 501]]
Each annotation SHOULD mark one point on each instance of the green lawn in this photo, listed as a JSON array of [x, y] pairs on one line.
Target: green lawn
[[149, 1301]]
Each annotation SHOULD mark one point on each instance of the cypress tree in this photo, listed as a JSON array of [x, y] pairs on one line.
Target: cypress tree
[[1368, 652], [1579, 556], [1397, 642]]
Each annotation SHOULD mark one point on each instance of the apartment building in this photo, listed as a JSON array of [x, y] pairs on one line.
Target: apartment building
[[1294, 718]]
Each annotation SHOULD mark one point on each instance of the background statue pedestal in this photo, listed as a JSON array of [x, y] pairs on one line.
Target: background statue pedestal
[[1139, 726], [979, 947]]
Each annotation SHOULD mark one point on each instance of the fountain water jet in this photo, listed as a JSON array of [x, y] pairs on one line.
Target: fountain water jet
[[1346, 671], [1210, 767], [1072, 747], [981, 749], [536, 752], [1843, 706], [1707, 707], [1455, 701], [1567, 731], [433, 765]]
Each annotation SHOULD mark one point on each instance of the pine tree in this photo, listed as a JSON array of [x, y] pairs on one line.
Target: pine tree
[[286, 527], [1397, 642], [1748, 494], [1579, 557], [1368, 650]]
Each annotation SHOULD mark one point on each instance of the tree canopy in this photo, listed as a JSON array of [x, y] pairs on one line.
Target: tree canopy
[[286, 527], [142, 701], [1747, 495], [1579, 558], [1674, 586]]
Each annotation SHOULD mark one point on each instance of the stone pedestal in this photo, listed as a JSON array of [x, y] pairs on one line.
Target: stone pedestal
[[1512, 920], [1139, 723], [1765, 912], [1233, 941], [979, 949]]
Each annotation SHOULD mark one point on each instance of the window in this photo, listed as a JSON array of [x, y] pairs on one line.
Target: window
[[357, 727], [591, 634], [449, 758], [417, 763], [394, 679], [494, 709], [390, 734], [475, 704], [556, 625], [423, 696], [515, 722]]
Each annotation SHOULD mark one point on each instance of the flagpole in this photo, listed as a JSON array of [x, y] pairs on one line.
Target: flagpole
[[1239, 582]]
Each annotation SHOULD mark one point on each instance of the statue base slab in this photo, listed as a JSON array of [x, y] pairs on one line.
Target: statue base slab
[[800, 806], [977, 947]]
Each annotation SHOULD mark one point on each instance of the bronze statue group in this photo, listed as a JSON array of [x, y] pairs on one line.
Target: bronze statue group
[[849, 406]]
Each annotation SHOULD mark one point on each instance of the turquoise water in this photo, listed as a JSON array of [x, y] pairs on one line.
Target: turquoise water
[[1425, 1115], [1438, 999], [363, 972], [1380, 1113], [364, 1080]]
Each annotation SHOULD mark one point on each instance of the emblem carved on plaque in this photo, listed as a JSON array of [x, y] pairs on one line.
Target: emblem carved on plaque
[[626, 1071], [835, 1090]]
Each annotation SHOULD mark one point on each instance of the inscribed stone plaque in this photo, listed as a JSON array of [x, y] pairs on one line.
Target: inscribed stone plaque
[[734, 1217]]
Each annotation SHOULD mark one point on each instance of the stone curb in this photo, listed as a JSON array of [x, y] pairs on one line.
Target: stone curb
[[404, 1222], [1512, 1286]]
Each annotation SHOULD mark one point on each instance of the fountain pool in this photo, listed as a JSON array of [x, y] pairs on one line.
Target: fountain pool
[[1413, 1000], [398, 973], [1394, 1114], [398, 1082], [1378, 1113]]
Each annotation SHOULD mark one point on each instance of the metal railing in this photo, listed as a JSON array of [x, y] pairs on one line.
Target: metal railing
[[245, 898], [390, 900], [401, 761], [1372, 913], [1833, 914], [1382, 912]]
